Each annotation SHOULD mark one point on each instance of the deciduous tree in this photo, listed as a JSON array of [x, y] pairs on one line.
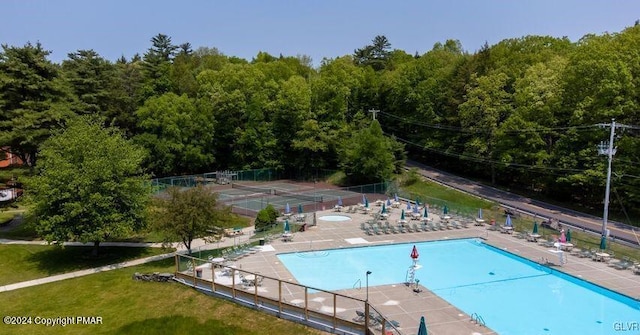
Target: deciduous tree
[[187, 214], [90, 185]]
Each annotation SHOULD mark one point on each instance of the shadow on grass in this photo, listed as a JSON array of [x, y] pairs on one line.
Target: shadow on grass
[[67, 259], [180, 325]]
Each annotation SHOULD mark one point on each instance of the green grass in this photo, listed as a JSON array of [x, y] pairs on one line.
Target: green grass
[[6, 217], [580, 239], [440, 195], [25, 262], [338, 178], [457, 202], [131, 307]]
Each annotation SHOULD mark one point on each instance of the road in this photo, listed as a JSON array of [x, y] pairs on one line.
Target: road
[[569, 217]]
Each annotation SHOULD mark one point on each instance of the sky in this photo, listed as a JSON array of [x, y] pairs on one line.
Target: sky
[[316, 28]]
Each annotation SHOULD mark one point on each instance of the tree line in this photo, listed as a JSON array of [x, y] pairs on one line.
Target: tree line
[[523, 112]]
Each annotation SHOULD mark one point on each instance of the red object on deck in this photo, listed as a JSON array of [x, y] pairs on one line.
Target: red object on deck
[[414, 253]]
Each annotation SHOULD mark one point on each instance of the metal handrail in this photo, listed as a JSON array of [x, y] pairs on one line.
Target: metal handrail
[[475, 317]]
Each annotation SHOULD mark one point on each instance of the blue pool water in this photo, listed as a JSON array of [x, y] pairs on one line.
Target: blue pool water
[[513, 295]]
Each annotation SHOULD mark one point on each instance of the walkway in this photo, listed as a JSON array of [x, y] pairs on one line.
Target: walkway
[[197, 245], [399, 302]]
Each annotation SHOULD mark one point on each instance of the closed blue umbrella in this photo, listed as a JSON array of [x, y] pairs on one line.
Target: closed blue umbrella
[[395, 197], [286, 226], [422, 329], [388, 202], [299, 208], [364, 199], [416, 210], [445, 210], [287, 209], [568, 235], [339, 201], [603, 243], [508, 223], [479, 213], [366, 203], [425, 214], [402, 215], [408, 206], [535, 227], [384, 209]]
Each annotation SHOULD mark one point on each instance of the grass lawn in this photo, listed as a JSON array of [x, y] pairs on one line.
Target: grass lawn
[[6, 217], [437, 194], [25, 262], [130, 307], [456, 201], [580, 239]]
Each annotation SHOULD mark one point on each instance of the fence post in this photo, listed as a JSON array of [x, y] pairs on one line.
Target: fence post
[[279, 297], [366, 317], [306, 303]]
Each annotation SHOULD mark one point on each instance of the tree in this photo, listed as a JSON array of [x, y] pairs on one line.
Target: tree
[[89, 185], [487, 105], [368, 156], [177, 134], [33, 100], [157, 64], [126, 95], [374, 55], [266, 217], [91, 77], [186, 214]]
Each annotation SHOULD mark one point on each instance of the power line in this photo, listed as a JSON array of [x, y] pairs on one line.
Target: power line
[[464, 130], [484, 160]]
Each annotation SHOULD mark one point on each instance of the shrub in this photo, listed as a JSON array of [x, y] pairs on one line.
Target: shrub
[[410, 177], [266, 217]]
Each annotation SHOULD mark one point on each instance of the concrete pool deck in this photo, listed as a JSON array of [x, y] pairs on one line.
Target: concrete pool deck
[[401, 303]]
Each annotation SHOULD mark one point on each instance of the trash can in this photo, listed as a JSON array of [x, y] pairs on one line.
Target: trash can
[[261, 241], [199, 273]]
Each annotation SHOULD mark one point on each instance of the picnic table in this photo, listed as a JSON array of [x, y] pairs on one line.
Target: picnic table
[[601, 257]]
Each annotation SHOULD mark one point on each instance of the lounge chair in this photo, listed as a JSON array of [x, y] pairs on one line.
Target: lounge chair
[[389, 324], [623, 264], [548, 243], [360, 316], [584, 253]]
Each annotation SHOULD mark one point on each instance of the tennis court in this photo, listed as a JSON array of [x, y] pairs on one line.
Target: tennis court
[[249, 198]]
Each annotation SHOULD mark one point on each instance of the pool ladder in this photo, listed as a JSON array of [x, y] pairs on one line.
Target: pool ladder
[[475, 317]]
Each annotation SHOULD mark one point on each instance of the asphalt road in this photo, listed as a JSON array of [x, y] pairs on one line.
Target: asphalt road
[[569, 217]]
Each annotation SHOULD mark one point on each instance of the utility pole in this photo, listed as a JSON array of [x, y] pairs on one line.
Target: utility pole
[[607, 148], [374, 112]]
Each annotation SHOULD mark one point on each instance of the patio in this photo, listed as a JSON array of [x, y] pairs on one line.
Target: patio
[[400, 302]]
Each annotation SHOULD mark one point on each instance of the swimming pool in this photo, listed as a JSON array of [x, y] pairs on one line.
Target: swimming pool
[[513, 295]]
